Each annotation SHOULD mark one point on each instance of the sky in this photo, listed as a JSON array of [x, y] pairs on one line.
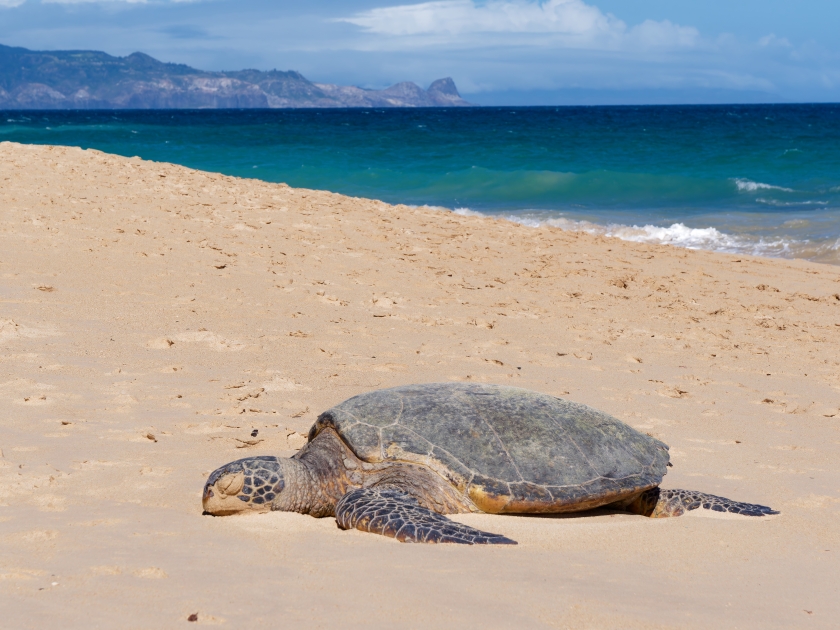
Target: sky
[[499, 52]]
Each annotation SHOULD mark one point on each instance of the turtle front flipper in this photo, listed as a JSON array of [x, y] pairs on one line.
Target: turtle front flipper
[[391, 512], [661, 503]]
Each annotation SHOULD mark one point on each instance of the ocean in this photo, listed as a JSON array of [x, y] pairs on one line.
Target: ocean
[[750, 179]]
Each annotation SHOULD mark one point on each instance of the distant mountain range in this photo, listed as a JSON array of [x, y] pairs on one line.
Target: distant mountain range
[[79, 79]]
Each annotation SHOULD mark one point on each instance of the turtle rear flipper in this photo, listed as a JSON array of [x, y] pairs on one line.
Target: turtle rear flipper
[[391, 512], [661, 503]]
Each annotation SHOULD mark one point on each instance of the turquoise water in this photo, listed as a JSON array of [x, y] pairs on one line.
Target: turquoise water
[[759, 179]]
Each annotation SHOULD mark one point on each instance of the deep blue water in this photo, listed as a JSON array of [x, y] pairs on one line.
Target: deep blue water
[[761, 179]]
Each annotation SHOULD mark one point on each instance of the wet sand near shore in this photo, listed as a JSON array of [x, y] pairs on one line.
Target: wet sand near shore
[[152, 316]]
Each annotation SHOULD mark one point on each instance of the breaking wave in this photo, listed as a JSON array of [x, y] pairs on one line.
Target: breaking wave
[[680, 235], [745, 185]]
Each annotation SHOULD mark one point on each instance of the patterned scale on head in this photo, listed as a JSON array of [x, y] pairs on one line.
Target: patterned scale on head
[[246, 484]]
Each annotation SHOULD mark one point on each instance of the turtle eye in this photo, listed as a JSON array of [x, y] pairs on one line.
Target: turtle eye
[[231, 484]]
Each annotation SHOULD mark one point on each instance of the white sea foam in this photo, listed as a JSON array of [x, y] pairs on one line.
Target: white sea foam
[[466, 212], [786, 204], [745, 185], [825, 249], [680, 235], [677, 234]]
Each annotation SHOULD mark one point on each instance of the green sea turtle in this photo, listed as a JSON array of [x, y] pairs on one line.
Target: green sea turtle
[[395, 461]]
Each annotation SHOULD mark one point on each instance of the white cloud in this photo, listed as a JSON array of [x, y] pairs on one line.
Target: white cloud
[[8, 4], [771, 41], [463, 16], [572, 22], [665, 34]]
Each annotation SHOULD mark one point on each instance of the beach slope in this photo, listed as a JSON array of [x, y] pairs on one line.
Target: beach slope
[[157, 322]]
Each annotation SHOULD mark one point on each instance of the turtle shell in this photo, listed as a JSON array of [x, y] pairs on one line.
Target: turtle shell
[[508, 449]]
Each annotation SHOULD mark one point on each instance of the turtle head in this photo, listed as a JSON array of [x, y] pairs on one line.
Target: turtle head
[[249, 484]]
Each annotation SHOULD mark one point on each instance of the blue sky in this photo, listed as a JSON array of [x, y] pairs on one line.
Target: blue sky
[[498, 51]]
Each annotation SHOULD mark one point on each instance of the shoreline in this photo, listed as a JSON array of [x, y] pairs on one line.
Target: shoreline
[[152, 316], [763, 186], [677, 234]]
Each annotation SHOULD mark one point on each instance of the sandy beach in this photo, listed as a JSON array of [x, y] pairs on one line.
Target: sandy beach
[[153, 316]]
